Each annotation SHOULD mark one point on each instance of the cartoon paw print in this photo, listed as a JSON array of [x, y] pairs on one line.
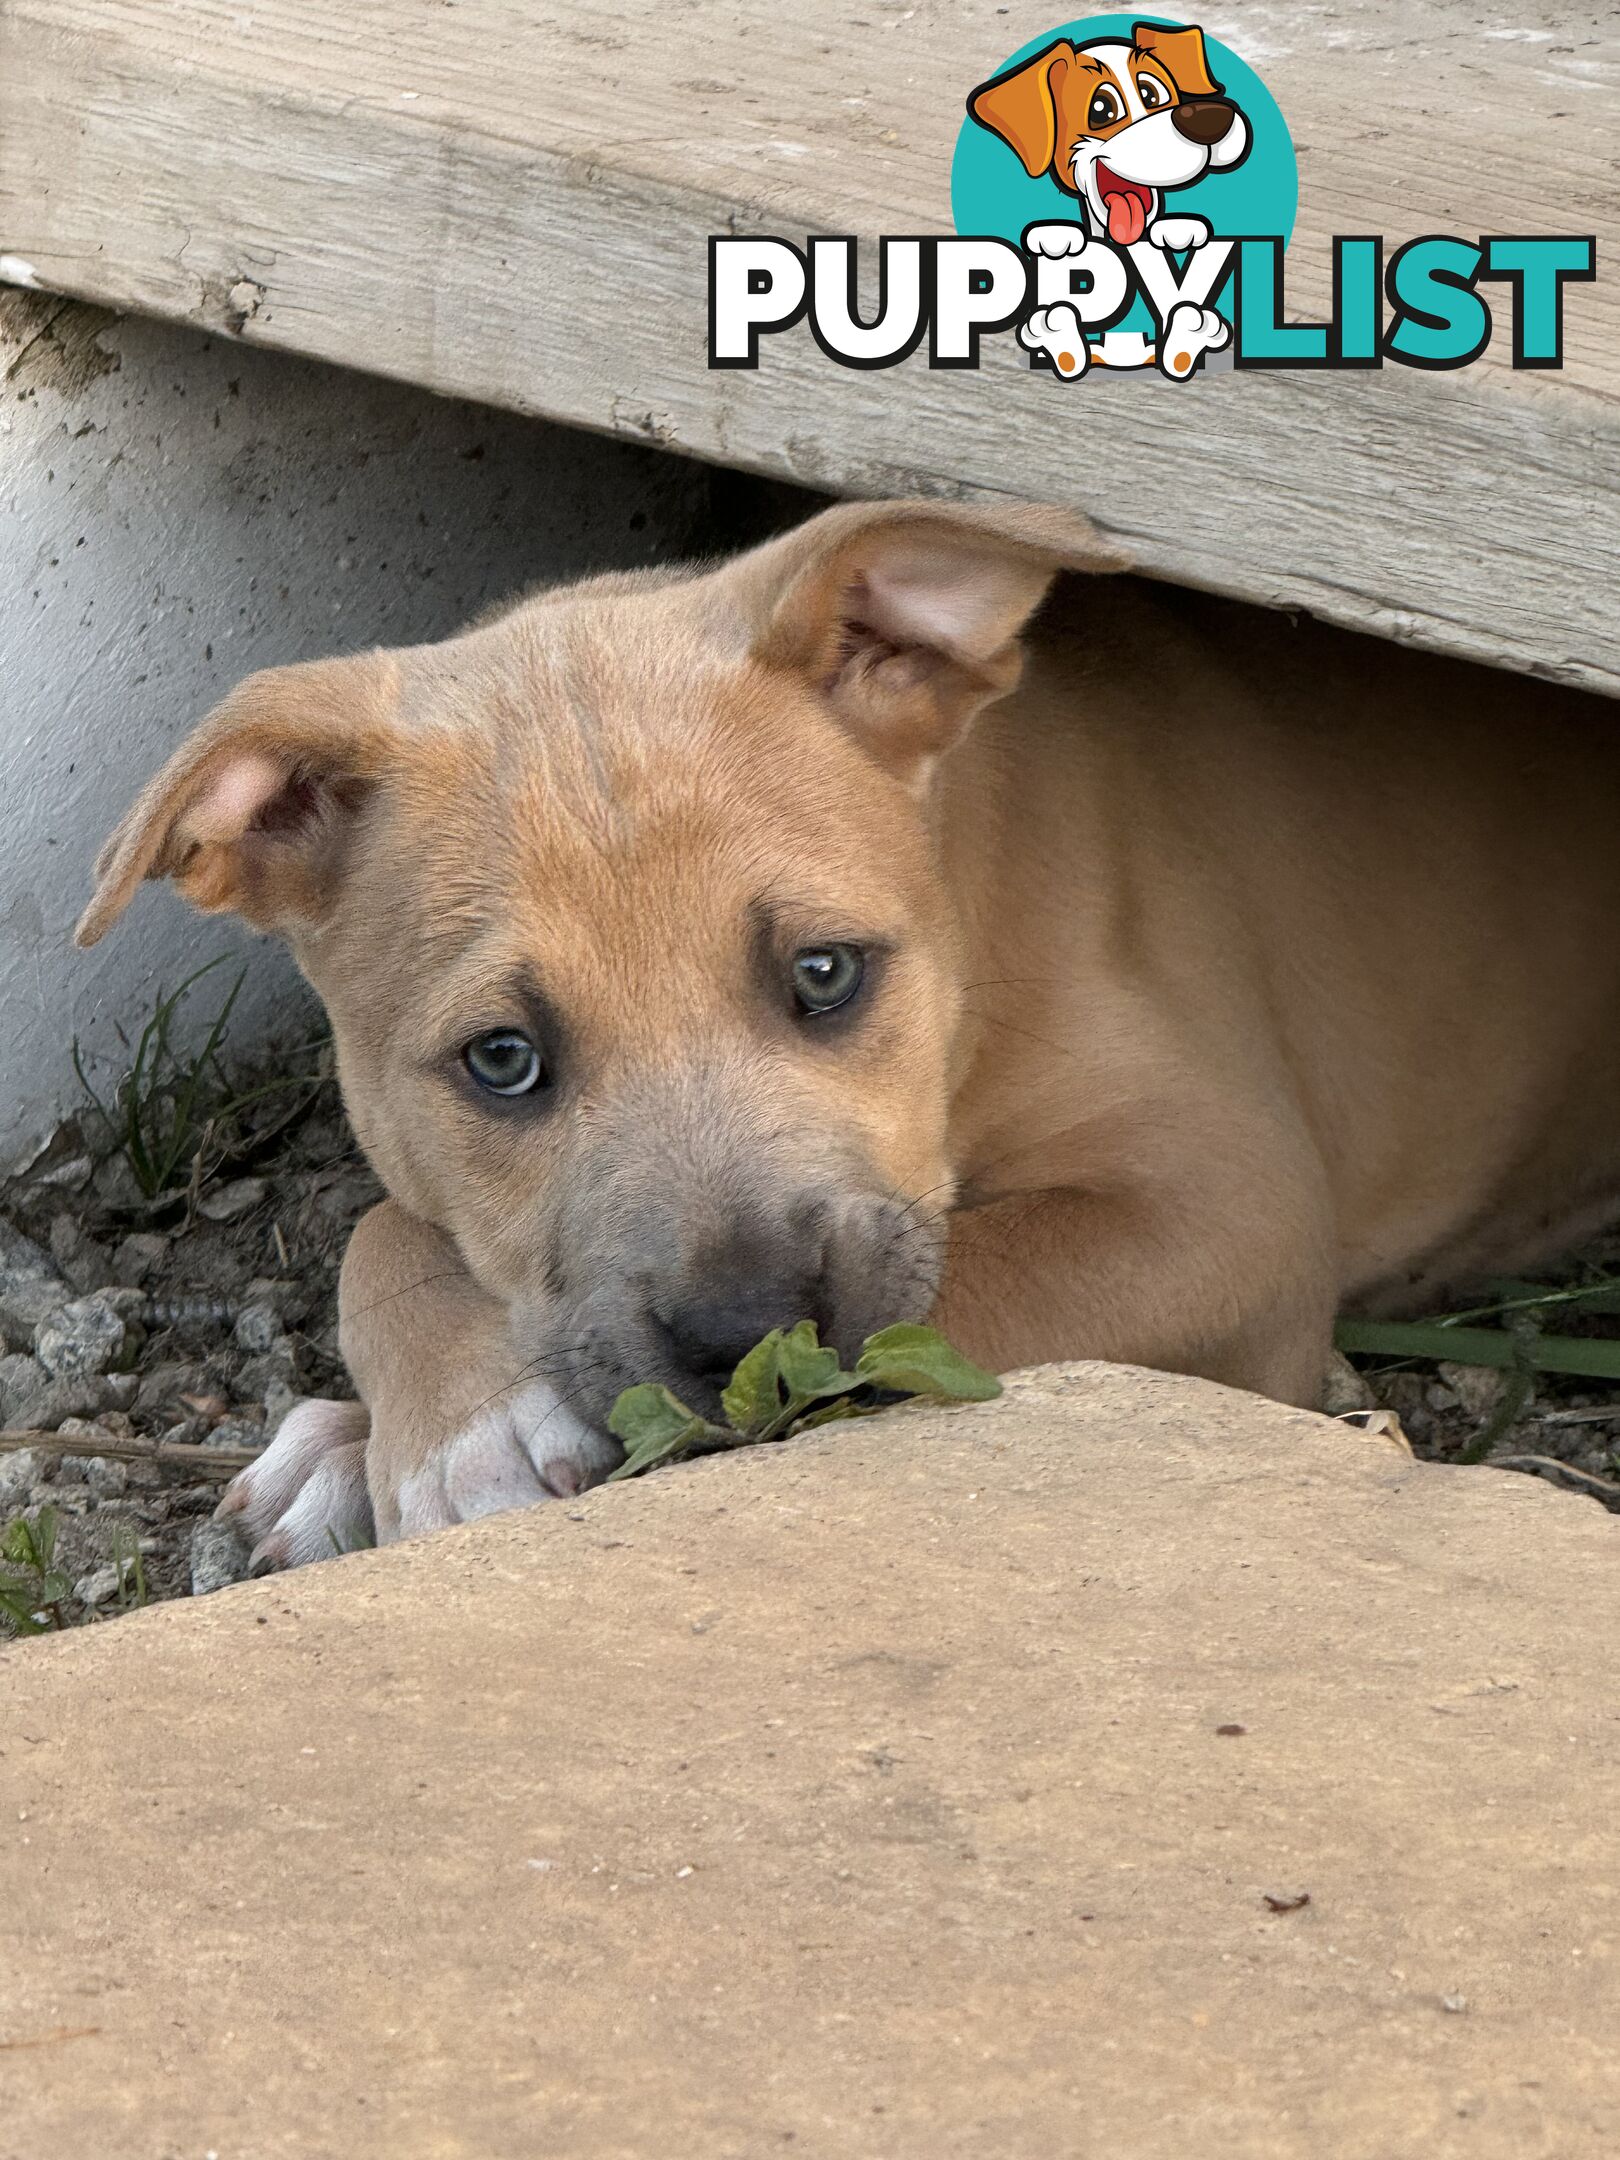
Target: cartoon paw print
[[1177, 234], [1188, 335], [1056, 332], [1055, 240]]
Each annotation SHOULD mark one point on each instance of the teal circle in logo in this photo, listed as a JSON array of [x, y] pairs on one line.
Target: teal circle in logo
[[991, 191]]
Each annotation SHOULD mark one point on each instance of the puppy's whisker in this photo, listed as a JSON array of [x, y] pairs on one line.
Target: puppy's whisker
[[451, 1274]]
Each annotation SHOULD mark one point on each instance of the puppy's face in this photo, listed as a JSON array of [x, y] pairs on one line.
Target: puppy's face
[[644, 987], [1117, 122], [627, 914]]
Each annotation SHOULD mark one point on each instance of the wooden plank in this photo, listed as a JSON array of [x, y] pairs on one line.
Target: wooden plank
[[511, 201]]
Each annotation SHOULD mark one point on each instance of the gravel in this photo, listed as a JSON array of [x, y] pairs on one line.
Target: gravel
[[200, 1319]]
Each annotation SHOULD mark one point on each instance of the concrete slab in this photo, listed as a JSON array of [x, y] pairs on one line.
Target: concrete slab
[[917, 1789]]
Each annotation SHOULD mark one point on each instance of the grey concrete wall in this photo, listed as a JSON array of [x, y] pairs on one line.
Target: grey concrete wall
[[177, 510]]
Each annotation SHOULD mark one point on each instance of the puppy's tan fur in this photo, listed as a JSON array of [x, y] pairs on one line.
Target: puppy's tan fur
[[1236, 969]]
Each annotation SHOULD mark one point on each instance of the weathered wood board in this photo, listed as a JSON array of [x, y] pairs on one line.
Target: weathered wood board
[[510, 200]]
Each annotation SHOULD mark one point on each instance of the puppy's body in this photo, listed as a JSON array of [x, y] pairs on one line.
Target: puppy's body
[[1217, 972], [1301, 954]]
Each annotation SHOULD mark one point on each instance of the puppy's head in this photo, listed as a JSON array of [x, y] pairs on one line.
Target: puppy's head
[[627, 914], [1116, 122]]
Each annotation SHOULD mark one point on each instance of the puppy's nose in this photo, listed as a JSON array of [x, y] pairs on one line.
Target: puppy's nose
[[712, 1331], [1205, 121]]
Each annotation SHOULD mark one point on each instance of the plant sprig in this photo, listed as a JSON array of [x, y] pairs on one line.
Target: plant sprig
[[789, 1382], [32, 1586]]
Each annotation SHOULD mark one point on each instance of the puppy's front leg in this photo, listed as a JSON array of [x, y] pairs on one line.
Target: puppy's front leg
[[461, 1423], [1194, 1286]]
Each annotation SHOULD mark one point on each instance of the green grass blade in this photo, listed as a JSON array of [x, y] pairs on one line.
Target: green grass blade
[[1480, 1346]]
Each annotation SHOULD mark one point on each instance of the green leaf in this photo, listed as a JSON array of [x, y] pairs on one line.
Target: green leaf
[[830, 1413], [751, 1398], [656, 1427], [919, 1361], [809, 1370]]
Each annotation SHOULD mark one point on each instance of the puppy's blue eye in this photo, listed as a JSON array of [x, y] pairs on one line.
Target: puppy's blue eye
[[827, 976], [505, 1062]]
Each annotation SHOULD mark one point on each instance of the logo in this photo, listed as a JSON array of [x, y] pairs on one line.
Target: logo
[[1123, 194]]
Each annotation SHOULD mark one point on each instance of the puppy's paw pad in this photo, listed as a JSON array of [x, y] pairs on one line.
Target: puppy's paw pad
[[1055, 241], [1177, 234], [1188, 335], [1056, 332]]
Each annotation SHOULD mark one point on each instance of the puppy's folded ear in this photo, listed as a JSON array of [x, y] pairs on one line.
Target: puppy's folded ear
[[1021, 106], [255, 812], [906, 617], [1183, 54]]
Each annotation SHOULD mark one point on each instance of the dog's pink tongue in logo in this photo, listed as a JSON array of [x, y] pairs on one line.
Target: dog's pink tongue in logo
[[1126, 205]]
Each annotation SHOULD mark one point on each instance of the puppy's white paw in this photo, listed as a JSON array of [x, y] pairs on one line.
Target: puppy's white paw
[[1055, 240], [1188, 335], [1177, 234], [522, 1447], [305, 1498], [1056, 332]]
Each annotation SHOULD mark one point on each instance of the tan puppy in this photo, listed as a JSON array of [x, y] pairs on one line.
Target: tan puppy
[[709, 950]]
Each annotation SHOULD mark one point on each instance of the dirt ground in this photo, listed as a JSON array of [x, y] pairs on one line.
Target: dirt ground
[[195, 1318]]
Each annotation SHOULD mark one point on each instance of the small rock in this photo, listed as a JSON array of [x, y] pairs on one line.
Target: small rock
[[64, 1163], [26, 1304], [67, 1235], [128, 1304], [116, 1185], [258, 1329], [166, 1385], [106, 1478], [100, 1585], [228, 1203], [30, 1400], [287, 1297], [244, 1429], [282, 1365], [21, 1260], [137, 1256], [82, 1340], [219, 1557], [20, 1380], [1477, 1387], [20, 1471], [1344, 1389]]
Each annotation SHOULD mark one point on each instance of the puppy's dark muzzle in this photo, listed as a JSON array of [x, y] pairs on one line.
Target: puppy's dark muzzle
[[1205, 121]]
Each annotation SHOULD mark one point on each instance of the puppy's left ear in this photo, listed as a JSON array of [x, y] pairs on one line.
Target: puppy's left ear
[[1021, 106], [256, 811], [906, 617], [1182, 55]]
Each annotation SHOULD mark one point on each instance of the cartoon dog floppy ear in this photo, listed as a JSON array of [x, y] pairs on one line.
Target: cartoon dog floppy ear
[[1022, 107], [1182, 52], [1064, 109]]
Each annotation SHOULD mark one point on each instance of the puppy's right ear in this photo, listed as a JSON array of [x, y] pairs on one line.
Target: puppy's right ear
[[254, 813], [1021, 106], [905, 618]]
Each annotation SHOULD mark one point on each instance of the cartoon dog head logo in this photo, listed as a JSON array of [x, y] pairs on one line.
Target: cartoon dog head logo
[[1116, 122]]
